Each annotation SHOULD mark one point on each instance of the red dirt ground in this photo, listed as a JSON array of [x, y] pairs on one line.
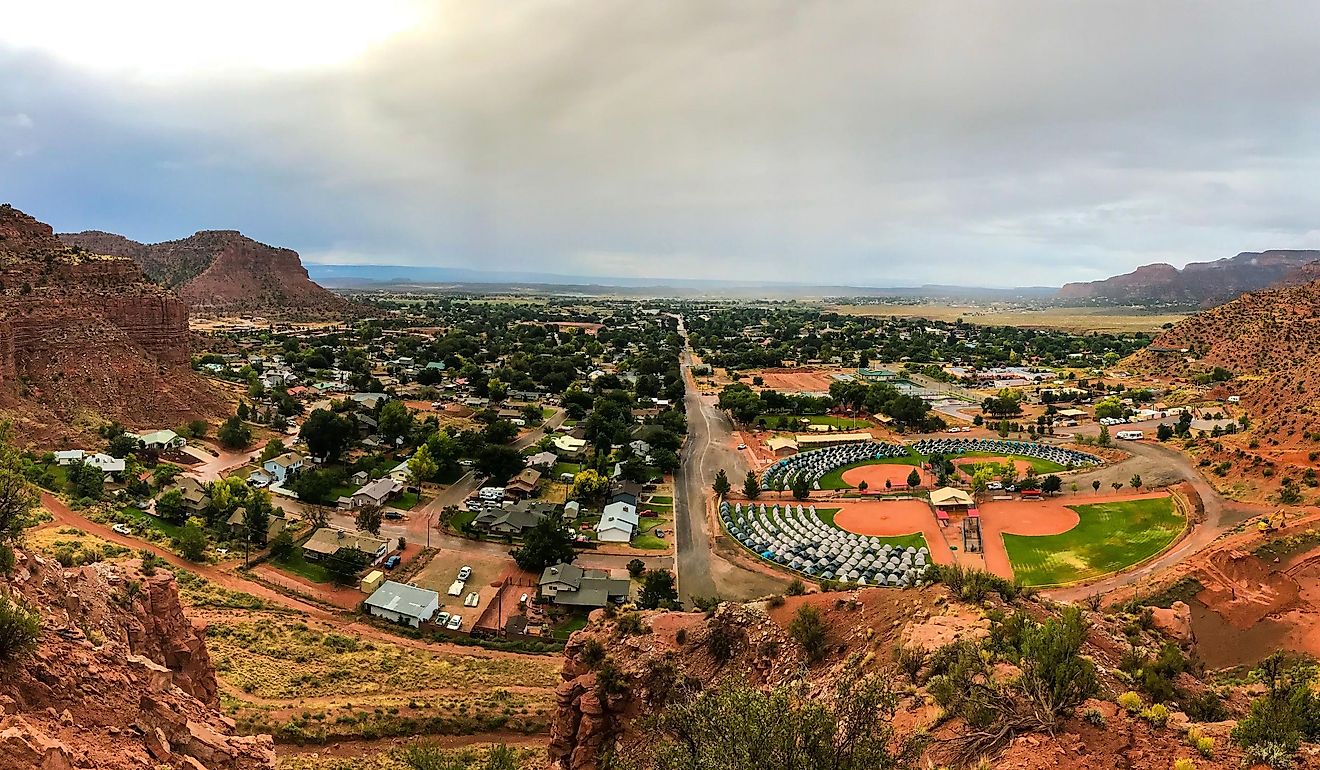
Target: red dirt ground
[[876, 475], [890, 518], [799, 380]]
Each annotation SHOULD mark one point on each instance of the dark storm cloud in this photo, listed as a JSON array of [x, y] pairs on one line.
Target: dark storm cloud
[[954, 142]]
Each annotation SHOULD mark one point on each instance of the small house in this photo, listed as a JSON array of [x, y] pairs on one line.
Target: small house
[[402, 604]]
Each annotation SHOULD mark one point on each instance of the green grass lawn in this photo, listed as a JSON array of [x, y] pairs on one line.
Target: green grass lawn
[[406, 501], [462, 519], [834, 479], [647, 541], [1109, 537], [143, 519], [562, 468], [59, 477], [296, 564], [661, 500], [1037, 464], [343, 490]]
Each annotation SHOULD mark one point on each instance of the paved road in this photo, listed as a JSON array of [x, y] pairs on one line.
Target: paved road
[[1221, 515], [536, 434], [707, 450]]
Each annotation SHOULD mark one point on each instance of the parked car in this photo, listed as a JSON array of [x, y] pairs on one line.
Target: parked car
[[454, 622], [390, 513], [441, 618], [742, 446], [392, 562], [994, 485], [122, 529], [465, 573]]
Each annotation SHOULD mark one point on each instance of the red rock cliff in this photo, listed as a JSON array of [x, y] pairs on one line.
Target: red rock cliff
[[120, 679]]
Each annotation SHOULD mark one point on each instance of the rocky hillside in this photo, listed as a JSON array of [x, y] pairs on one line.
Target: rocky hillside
[[639, 684], [222, 271], [1199, 284], [1270, 340], [87, 338], [119, 679]]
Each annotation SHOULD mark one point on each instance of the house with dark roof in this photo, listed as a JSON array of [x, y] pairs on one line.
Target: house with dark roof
[[573, 586], [514, 519]]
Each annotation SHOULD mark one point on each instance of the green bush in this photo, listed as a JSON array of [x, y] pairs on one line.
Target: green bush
[[808, 630], [20, 628]]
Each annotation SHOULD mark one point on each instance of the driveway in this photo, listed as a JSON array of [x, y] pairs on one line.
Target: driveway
[[534, 435]]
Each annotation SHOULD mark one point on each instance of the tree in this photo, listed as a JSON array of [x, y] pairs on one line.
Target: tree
[[234, 434], [735, 725], [256, 517], [170, 507], [17, 496], [422, 466], [1096, 485], [191, 542], [914, 479], [85, 481], [1117, 485], [368, 519], [589, 486], [395, 421], [274, 448], [1164, 432], [1103, 438], [198, 428], [499, 461], [808, 630], [801, 487], [751, 487], [282, 545], [721, 485], [659, 590], [1135, 481], [327, 434], [345, 564], [636, 567], [862, 486], [981, 480], [1051, 484], [545, 545]]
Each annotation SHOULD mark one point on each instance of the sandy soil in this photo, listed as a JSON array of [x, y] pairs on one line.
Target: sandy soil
[[876, 475], [799, 380]]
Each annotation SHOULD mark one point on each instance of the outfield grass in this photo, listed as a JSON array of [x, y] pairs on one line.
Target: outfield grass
[[1108, 538], [834, 479], [1036, 463]]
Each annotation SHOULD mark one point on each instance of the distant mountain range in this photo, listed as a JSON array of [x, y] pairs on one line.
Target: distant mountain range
[[405, 277], [1200, 284]]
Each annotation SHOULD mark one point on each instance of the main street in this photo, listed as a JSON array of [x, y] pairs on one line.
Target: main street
[[709, 448]]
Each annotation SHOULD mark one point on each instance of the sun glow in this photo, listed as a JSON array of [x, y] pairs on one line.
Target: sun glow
[[166, 39]]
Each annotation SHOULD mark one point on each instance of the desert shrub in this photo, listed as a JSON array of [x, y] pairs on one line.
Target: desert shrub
[[775, 601], [1184, 764], [808, 630], [796, 588], [7, 559], [1157, 715], [1095, 717], [20, 628], [1206, 706], [1280, 719], [1130, 702], [593, 653], [630, 624], [911, 660]]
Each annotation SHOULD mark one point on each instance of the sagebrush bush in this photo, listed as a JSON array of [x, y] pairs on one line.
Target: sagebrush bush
[[20, 628], [1130, 702]]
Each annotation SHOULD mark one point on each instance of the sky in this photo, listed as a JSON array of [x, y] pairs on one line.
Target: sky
[[875, 143]]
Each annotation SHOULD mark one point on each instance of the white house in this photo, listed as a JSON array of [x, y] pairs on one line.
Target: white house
[[567, 446], [282, 466], [617, 523], [105, 463], [161, 440], [69, 456], [404, 604]]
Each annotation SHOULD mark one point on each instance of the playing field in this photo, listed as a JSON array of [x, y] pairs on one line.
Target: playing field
[[835, 478], [1109, 536], [967, 462]]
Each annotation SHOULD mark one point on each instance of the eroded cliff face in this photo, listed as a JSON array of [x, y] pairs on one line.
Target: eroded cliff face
[[86, 338], [223, 271], [120, 678]]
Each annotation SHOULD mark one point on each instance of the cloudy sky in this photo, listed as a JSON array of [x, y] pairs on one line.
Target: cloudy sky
[[868, 143]]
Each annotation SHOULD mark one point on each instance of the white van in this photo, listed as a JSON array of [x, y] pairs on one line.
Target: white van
[[1130, 435]]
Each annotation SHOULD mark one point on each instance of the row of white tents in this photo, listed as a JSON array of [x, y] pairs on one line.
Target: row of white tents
[[1069, 458], [816, 463], [796, 538]]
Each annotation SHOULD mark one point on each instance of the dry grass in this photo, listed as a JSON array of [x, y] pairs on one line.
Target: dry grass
[[470, 758], [284, 658], [1072, 319]]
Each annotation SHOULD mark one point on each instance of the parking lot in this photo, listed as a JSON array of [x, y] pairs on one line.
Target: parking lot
[[487, 573]]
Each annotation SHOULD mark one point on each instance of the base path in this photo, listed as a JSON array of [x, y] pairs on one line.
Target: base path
[[894, 518]]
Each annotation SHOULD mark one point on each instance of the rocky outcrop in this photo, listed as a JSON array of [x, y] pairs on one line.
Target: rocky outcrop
[[223, 271], [1198, 284], [86, 338], [120, 679]]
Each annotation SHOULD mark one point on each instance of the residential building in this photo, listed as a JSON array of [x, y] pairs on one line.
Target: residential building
[[403, 604], [523, 485], [574, 586], [161, 440], [543, 460], [569, 446], [327, 541], [515, 518], [375, 493], [617, 523], [195, 497], [282, 467]]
